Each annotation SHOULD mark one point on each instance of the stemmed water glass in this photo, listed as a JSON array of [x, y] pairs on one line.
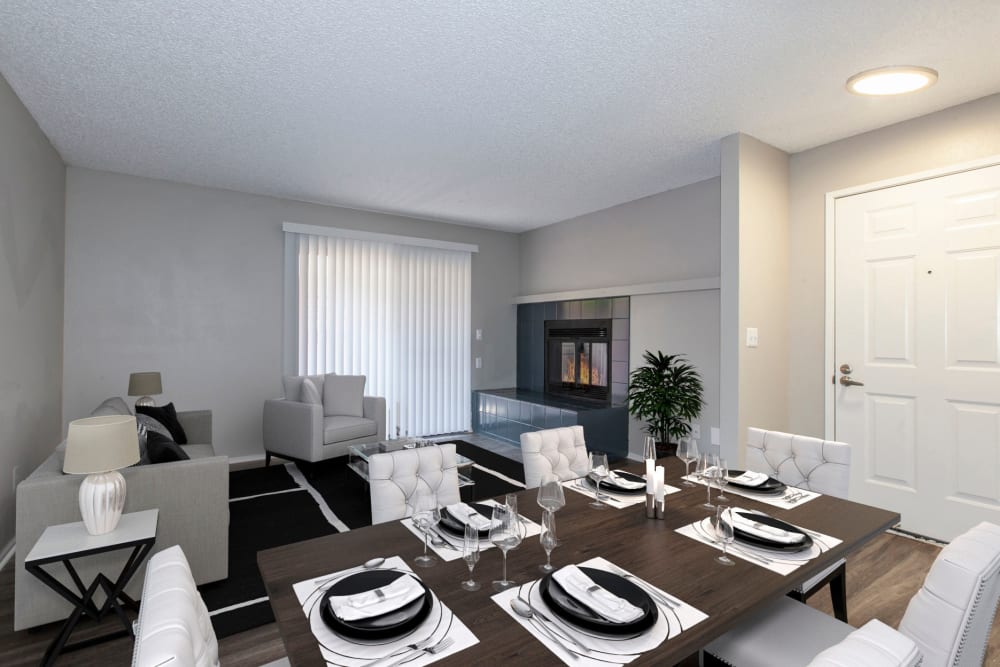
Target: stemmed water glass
[[426, 515], [470, 554], [706, 471], [687, 451], [599, 470], [551, 497], [724, 534], [722, 480], [505, 534], [548, 539]]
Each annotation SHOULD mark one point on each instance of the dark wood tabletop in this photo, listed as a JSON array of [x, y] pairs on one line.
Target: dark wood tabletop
[[650, 549]]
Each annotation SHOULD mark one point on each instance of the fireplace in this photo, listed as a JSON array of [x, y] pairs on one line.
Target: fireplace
[[577, 359]]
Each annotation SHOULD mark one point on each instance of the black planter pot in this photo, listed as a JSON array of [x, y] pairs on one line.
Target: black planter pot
[[664, 449]]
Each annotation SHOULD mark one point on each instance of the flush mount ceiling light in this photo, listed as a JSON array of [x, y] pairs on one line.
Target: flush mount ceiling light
[[893, 80]]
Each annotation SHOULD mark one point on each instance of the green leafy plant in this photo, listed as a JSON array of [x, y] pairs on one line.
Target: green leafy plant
[[666, 393]]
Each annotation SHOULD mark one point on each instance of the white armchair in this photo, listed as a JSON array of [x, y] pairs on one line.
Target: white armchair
[[823, 466], [314, 423], [556, 451]]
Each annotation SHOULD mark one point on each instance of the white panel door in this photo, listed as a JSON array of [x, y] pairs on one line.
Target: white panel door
[[918, 324]]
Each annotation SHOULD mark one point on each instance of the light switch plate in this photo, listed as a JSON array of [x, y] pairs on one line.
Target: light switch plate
[[479, 334], [715, 435], [479, 362], [752, 337]]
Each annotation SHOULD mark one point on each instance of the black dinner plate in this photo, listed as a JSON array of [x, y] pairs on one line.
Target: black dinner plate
[[392, 624], [452, 525], [566, 607], [608, 485], [754, 540], [771, 487]]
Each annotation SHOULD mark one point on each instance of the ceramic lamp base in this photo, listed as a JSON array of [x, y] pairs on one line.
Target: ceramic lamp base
[[102, 499]]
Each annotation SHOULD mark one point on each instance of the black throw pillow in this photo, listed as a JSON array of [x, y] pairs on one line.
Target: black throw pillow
[[166, 415], [161, 449]]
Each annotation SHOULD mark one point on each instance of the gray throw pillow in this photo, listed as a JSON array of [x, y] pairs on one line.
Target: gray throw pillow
[[343, 395], [310, 392], [111, 406], [293, 386]]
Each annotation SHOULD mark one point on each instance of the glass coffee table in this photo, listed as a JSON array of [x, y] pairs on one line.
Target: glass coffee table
[[357, 456]]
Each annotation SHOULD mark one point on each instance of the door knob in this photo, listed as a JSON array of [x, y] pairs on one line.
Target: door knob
[[848, 382]]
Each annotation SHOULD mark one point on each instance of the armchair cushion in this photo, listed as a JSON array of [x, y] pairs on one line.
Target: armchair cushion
[[343, 395], [338, 429]]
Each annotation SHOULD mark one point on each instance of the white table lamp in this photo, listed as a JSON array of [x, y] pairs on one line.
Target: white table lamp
[[98, 447], [145, 385]]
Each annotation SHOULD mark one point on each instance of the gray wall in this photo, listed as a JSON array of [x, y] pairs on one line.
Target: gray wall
[[189, 281], [670, 236], [959, 134], [674, 235], [32, 190]]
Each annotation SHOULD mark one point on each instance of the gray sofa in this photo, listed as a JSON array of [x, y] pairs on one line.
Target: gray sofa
[[193, 499]]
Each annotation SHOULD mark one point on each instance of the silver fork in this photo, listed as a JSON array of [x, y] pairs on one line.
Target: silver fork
[[442, 645]]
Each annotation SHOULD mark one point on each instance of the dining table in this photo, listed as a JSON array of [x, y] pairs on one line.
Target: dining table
[[649, 548]]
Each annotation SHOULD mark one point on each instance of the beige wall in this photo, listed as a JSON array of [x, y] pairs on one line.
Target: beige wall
[[32, 190], [755, 237], [673, 235], [959, 134], [189, 281]]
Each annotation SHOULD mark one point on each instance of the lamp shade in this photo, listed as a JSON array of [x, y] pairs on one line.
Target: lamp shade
[[144, 384], [101, 444]]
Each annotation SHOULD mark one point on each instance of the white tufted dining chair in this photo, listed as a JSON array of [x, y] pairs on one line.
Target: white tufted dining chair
[[394, 477], [174, 627], [947, 623], [823, 466], [555, 451]]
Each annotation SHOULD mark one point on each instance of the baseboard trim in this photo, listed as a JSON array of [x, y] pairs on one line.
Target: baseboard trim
[[8, 553]]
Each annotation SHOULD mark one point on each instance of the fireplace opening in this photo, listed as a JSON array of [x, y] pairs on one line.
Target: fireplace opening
[[577, 358]]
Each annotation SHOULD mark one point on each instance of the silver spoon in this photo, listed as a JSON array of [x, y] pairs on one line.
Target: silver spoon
[[522, 609]]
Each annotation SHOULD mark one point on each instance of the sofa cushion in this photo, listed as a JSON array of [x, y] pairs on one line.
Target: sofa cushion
[[111, 406], [162, 449], [166, 415], [293, 386], [310, 392], [343, 395], [339, 429]]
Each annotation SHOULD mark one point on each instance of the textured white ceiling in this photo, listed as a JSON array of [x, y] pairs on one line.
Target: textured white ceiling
[[497, 113]]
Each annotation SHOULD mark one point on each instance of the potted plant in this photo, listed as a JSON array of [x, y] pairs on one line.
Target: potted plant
[[666, 393]]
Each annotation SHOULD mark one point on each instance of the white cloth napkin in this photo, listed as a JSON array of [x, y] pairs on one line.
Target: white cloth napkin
[[469, 516], [625, 482], [370, 604], [600, 600], [749, 478], [765, 532]]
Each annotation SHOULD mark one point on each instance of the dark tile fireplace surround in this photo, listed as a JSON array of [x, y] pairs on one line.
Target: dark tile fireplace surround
[[578, 367]]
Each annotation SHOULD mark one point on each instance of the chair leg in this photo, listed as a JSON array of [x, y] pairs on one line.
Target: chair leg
[[838, 593], [267, 459], [709, 660]]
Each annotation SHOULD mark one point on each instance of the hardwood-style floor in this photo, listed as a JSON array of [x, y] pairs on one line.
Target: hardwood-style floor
[[881, 578]]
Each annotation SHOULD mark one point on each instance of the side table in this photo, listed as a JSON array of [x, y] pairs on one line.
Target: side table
[[68, 541]]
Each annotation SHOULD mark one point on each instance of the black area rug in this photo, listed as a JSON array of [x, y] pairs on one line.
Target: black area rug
[[288, 513]]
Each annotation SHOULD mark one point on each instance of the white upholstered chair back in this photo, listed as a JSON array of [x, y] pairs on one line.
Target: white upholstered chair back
[[174, 627], [394, 478], [557, 451], [951, 615], [823, 466]]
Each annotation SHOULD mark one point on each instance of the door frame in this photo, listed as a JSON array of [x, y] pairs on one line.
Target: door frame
[[829, 358]]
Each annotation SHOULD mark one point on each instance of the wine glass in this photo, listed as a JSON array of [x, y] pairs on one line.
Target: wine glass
[[724, 534], [548, 539], [687, 451], [649, 448], [470, 554], [505, 534], [426, 515], [599, 470], [706, 471], [722, 480], [551, 497]]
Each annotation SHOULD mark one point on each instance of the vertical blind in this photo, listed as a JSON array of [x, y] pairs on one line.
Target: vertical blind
[[398, 314]]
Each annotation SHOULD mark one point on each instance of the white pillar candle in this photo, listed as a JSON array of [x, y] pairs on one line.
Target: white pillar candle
[[649, 469], [660, 490]]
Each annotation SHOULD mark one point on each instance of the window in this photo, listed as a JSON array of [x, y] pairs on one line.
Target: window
[[395, 312]]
